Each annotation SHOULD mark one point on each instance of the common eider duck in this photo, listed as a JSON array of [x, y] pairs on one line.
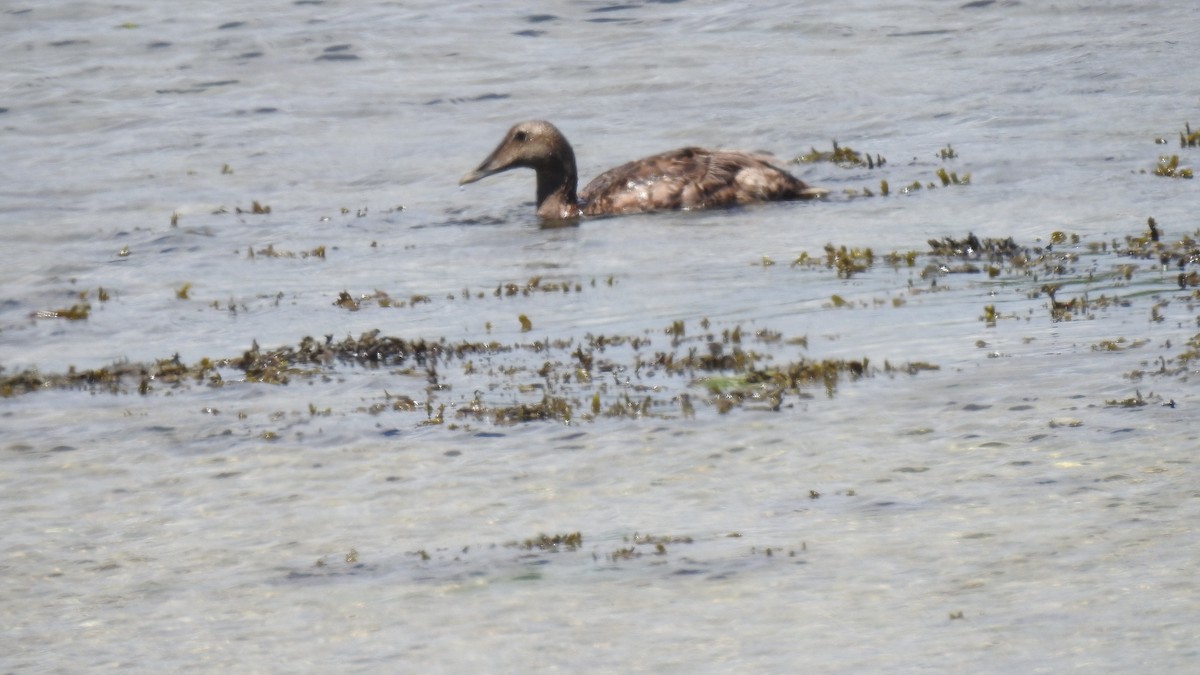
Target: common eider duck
[[687, 178]]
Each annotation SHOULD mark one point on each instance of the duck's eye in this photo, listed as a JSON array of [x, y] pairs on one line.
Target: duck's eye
[[520, 137]]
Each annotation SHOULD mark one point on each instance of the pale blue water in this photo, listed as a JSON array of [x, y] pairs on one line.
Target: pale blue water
[[181, 529]]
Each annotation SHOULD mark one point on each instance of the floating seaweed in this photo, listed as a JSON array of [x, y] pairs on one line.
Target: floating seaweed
[[1189, 138], [971, 247], [1135, 401], [1168, 167], [952, 178], [554, 543], [77, 312], [269, 251], [685, 367], [1119, 344], [841, 155], [255, 207], [848, 262]]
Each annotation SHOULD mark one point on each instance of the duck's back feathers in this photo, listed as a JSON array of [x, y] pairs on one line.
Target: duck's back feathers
[[691, 178]]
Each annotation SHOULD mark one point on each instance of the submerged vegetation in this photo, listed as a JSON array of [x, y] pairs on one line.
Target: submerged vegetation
[[1189, 138], [1169, 166], [845, 157], [77, 312], [530, 558], [570, 387], [686, 367]]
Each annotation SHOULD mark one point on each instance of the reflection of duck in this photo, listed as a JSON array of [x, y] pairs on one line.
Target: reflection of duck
[[688, 178]]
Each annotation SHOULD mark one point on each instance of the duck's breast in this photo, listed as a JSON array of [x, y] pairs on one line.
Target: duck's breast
[[688, 178]]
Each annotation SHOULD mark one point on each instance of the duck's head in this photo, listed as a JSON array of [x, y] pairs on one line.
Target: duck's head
[[536, 145]]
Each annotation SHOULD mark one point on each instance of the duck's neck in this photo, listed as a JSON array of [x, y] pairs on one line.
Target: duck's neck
[[556, 184]]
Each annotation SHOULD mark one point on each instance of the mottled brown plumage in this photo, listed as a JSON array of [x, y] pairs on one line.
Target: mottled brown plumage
[[688, 178]]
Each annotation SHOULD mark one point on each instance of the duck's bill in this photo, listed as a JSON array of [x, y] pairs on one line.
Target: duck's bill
[[493, 164], [477, 174]]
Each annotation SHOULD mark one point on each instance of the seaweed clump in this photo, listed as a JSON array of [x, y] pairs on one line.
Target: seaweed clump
[[843, 156], [1168, 167], [1189, 138], [559, 542], [596, 377], [113, 379], [80, 311], [554, 408], [972, 247], [268, 366], [1152, 245]]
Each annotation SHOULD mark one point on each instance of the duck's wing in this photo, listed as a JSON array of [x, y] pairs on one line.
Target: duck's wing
[[690, 178]]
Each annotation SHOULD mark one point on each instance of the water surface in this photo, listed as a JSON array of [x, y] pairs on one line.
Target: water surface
[[1028, 505]]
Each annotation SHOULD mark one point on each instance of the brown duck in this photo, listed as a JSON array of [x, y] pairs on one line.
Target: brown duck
[[687, 178]]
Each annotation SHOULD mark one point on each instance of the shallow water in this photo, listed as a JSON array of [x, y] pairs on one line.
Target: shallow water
[[1040, 483]]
